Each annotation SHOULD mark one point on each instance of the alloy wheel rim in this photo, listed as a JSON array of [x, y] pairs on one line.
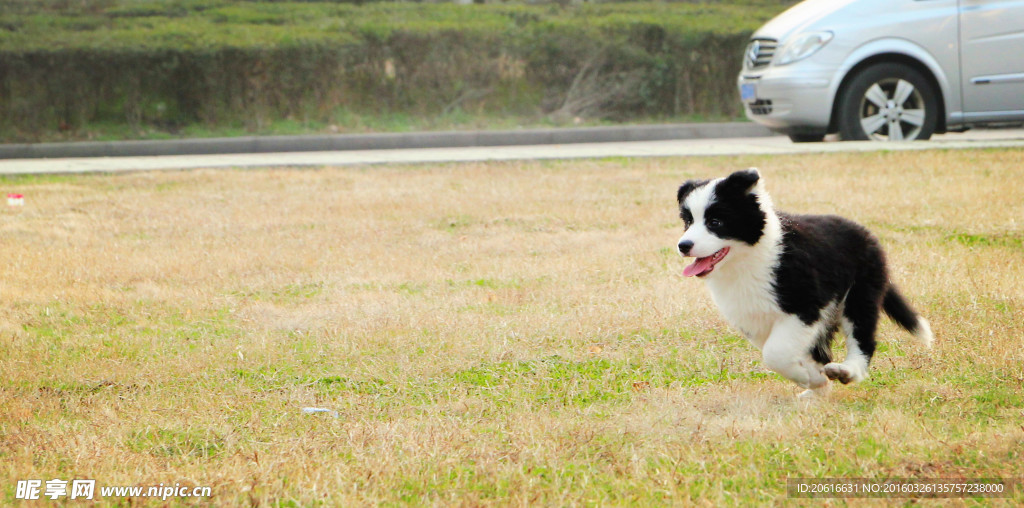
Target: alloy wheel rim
[[892, 110]]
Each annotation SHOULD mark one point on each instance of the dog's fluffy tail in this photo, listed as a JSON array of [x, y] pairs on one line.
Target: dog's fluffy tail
[[899, 310]]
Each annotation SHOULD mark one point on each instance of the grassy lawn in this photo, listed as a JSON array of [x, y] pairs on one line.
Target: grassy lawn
[[501, 333]]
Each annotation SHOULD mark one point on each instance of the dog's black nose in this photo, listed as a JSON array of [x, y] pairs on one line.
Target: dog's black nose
[[684, 247]]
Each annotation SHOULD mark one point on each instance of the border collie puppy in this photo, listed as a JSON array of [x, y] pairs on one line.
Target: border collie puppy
[[789, 282]]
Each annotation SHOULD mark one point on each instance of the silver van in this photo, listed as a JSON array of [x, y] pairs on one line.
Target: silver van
[[886, 69]]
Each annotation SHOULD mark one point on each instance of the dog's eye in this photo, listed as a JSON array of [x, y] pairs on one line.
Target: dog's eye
[[714, 223]]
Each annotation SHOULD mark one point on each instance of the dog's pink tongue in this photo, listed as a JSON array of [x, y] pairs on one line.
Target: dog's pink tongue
[[699, 267]]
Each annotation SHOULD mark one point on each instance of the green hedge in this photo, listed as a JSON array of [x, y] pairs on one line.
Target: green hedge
[[215, 63]]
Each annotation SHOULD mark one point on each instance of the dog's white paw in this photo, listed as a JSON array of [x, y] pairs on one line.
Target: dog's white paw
[[839, 372], [845, 373]]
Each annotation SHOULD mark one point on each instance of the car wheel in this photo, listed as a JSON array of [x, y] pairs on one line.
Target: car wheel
[[888, 102], [806, 138]]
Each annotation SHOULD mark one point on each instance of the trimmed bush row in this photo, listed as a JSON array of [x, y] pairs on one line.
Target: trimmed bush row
[[219, 63]]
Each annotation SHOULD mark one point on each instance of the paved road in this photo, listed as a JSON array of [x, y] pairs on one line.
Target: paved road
[[688, 147]]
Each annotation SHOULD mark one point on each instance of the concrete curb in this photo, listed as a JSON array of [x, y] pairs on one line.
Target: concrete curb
[[438, 139]]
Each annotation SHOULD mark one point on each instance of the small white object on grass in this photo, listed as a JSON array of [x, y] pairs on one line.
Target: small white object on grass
[[15, 200], [318, 410]]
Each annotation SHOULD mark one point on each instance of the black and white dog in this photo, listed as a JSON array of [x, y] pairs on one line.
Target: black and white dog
[[789, 282]]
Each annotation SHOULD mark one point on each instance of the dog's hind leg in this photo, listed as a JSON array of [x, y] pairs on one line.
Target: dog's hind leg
[[860, 319], [855, 367]]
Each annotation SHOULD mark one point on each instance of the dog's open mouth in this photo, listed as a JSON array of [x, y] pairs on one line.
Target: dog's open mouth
[[704, 266]]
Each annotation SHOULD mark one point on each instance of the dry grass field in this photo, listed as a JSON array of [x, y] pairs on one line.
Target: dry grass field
[[489, 334]]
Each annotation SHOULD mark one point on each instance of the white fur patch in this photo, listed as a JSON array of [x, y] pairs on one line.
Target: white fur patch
[[924, 332]]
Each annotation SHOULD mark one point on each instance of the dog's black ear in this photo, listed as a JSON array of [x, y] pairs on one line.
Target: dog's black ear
[[686, 188], [742, 181]]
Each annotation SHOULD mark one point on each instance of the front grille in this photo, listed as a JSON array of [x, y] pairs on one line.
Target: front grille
[[759, 53], [760, 107]]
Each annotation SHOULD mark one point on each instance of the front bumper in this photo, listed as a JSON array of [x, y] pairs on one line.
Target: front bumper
[[787, 99]]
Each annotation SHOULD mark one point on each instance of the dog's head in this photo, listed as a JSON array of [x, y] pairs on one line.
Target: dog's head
[[722, 216]]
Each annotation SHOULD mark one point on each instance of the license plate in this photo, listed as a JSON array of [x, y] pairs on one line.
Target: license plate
[[748, 92]]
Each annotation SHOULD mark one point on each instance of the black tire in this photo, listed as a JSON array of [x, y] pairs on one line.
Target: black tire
[[806, 138], [888, 102]]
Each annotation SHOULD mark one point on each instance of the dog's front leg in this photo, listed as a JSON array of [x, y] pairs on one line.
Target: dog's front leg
[[788, 352]]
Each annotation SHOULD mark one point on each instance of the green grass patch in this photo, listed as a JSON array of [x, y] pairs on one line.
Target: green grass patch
[[187, 443], [289, 294], [586, 382], [988, 240]]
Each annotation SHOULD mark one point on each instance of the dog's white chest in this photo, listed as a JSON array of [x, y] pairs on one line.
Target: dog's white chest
[[748, 306]]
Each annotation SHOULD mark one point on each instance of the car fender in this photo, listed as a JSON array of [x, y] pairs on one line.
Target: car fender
[[949, 91]]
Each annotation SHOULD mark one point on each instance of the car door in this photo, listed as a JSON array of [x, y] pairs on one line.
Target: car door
[[992, 59]]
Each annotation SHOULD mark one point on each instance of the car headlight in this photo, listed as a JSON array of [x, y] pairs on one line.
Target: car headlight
[[803, 46]]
